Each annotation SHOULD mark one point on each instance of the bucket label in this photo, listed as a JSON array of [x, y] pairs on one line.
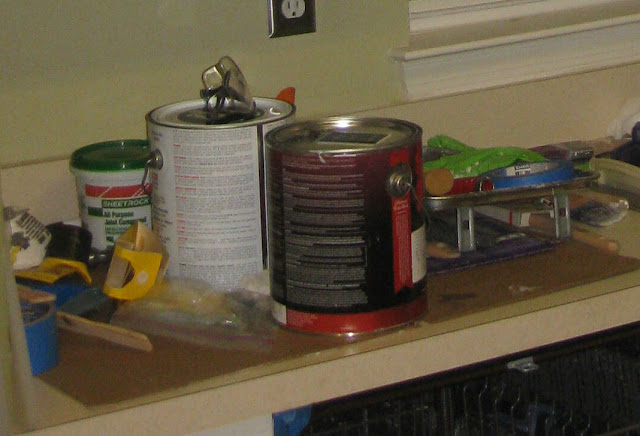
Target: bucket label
[[109, 211]]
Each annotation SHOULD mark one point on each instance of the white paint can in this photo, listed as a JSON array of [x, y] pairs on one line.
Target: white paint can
[[208, 205], [109, 181]]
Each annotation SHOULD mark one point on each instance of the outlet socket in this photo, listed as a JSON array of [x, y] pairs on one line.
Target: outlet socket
[[291, 17]]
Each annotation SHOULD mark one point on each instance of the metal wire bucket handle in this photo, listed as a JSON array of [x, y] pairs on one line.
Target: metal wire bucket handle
[[155, 161]]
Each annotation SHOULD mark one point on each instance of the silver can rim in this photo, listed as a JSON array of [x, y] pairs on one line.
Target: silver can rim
[[272, 110], [401, 133]]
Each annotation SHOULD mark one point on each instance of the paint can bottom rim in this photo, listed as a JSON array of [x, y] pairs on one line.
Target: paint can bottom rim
[[349, 323]]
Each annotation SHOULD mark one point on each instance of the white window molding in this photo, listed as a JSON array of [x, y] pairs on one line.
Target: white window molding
[[470, 45]]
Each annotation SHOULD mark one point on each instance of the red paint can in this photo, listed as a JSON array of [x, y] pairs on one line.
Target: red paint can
[[347, 243]]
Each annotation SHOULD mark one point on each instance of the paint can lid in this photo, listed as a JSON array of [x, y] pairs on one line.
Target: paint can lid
[[192, 115], [118, 155], [344, 134]]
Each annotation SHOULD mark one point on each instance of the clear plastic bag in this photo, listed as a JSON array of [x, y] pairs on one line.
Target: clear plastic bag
[[194, 311]]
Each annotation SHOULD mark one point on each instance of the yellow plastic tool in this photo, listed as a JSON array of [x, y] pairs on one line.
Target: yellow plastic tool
[[140, 266], [51, 269]]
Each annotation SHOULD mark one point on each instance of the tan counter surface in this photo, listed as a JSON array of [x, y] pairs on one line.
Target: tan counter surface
[[405, 353]]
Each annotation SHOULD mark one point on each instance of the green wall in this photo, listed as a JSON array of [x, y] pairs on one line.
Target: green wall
[[76, 72]]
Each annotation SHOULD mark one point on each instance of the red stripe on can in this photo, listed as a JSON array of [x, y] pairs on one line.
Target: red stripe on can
[[115, 191], [356, 322], [401, 230]]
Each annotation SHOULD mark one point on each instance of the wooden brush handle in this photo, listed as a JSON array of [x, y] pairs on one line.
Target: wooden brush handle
[[547, 224], [438, 181], [35, 296], [108, 332]]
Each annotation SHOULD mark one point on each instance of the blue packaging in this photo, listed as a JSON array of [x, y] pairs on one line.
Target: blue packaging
[[42, 340]]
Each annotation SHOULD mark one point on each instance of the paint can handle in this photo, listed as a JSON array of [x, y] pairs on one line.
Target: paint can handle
[[155, 161], [226, 91], [399, 182]]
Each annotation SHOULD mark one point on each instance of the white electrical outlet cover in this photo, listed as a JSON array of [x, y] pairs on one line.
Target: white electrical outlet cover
[[293, 8]]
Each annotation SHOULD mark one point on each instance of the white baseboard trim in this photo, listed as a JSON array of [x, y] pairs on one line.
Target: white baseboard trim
[[447, 61]]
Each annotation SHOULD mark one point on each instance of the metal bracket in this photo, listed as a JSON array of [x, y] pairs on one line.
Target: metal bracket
[[524, 365], [466, 227], [561, 215]]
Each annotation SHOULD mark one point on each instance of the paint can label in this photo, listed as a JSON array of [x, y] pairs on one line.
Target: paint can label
[[209, 203], [347, 238], [337, 241]]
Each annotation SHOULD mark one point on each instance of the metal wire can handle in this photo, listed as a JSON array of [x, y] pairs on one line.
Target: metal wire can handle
[[400, 182], [155, 161]]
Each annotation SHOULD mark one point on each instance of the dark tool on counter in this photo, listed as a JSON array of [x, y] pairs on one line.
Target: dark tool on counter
[[575, 151], [226, 92], [598, 209], [69, 242], [73, 242], [98, 257], [629, 152]]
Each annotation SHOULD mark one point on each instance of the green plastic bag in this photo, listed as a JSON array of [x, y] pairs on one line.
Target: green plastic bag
[[471, 162]]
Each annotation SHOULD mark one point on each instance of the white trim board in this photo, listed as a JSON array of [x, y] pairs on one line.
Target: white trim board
[[510, 47], [425, 15]]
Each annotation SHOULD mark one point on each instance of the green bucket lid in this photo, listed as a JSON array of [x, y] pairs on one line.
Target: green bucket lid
[[119, 155]]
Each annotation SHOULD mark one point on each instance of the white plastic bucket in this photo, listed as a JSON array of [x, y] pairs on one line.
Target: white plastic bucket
[[109, 177]]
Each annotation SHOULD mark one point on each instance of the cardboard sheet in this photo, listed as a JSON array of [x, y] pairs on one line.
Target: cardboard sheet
[[570, 264], [95, 373]]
